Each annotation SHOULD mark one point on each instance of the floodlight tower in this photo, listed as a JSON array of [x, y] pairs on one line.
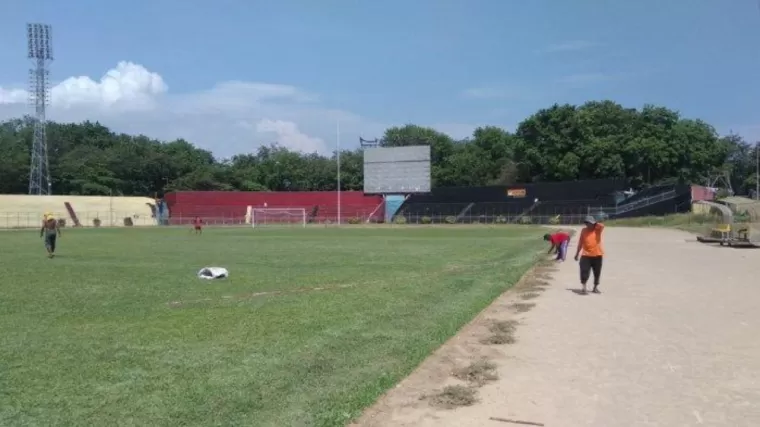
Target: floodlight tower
[[39, 39]]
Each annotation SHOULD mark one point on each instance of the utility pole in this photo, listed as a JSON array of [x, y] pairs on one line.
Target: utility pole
[[757, 173]]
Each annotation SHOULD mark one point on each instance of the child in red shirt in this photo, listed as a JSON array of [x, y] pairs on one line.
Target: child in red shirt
[[559, 242]]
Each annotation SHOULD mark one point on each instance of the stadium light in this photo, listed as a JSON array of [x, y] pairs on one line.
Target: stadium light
[[40, 51]]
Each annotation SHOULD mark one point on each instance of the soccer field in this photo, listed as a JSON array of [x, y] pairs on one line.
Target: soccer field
[[117, 329]]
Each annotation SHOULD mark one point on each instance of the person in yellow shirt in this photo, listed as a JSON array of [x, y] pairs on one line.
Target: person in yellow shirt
[[590, 253]]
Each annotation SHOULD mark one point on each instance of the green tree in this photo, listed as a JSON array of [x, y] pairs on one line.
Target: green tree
[[605, 140], [599, 139]]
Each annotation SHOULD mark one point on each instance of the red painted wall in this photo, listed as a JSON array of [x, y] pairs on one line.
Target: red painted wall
[[699, 192], [230, 206]]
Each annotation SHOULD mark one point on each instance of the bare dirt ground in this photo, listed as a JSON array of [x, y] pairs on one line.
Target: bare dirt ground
[[674, 340]]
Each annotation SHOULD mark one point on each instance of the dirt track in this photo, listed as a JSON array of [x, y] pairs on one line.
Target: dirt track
[[674, 340]]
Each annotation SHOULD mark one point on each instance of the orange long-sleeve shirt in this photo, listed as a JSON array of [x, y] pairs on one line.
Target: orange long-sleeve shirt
[[590, 241]]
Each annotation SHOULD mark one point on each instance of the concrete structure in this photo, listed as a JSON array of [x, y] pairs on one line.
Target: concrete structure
[[18, 211]]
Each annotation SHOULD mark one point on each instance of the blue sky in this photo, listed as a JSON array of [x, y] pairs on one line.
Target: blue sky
[[230, 75]]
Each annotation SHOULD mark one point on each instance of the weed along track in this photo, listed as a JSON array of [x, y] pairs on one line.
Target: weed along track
[[453, 375]]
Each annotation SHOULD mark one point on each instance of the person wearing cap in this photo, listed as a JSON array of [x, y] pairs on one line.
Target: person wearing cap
[[559, 241], [590, 252]]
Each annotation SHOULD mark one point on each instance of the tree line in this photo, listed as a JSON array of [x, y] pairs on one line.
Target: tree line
[[600, 139]]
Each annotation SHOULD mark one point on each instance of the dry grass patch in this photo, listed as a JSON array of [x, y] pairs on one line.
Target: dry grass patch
[[503, 326], [539, 278], [523, 307], [454, 396], [498, 339], [477, 373], [502, 332]]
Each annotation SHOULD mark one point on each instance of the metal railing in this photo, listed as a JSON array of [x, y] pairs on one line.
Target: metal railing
[[680, 220], [327, 216], [21, 220], [628, 207], [214, 215]]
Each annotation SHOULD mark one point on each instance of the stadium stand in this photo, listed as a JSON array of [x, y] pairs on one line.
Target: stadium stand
[[511, 202], [17, 211], [541, 202], [646, 193]]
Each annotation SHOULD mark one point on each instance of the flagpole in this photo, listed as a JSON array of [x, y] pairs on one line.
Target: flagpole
[[337, 149]]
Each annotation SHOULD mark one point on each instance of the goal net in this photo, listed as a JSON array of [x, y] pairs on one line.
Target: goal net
[[278, 217]]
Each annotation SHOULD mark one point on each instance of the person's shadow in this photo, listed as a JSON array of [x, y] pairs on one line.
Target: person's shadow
[[577, 292]]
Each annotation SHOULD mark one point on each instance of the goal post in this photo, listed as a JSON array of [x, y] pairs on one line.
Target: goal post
[[278, 217]]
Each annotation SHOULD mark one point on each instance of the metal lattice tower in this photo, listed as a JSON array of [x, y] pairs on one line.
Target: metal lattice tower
[[39, 37]]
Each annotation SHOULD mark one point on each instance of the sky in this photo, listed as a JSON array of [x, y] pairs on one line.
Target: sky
[[232, 75]]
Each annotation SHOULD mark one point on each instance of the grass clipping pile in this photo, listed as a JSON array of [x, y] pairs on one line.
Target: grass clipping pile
[[500, 332]]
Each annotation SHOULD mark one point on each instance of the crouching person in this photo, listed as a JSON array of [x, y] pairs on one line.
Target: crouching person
[[559, 243]]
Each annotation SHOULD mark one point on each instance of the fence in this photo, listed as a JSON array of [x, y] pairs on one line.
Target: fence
[[324, 214], [647, 201], [229, 216], [691, 221], [687, 221]]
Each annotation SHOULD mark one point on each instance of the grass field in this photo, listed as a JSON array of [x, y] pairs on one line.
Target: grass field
[[117, 330]]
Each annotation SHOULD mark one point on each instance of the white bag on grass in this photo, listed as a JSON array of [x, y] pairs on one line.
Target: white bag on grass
[[213, 273]]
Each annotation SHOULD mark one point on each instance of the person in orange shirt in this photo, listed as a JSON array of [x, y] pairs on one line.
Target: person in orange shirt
[[590, 252]]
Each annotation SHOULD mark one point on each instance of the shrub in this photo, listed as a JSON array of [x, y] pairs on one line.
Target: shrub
[[61, 222], [128, 221], [96, 222], [354, 220], [450, 219], [742, 217], [554, 220], [426, 220], [399, 219], [526, 220], [501, 219]]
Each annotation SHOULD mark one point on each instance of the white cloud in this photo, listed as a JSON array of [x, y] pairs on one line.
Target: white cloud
[[288, 135], [229, 118], [127, 86], [13, 96]]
